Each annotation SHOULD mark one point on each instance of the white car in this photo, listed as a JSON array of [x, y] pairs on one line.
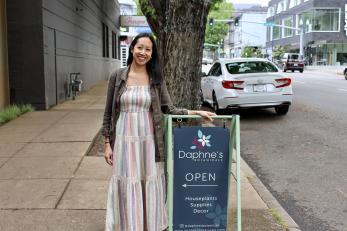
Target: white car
[[246, 83]]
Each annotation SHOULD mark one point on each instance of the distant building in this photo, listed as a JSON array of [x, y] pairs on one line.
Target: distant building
[[249, 30], [129, 8], [47, 40], [325, 41]]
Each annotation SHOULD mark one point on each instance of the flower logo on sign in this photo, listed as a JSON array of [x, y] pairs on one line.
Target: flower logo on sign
[[201, 141]]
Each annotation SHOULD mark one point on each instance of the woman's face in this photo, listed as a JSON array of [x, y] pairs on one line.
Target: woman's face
[[142, 51]]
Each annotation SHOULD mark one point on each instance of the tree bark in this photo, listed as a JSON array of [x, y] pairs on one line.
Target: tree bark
[[180, 29]]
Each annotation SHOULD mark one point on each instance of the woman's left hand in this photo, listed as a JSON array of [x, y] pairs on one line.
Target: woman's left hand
[[206, 114]]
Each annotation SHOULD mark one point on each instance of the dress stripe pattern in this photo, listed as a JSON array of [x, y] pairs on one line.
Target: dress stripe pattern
[[136, 192]]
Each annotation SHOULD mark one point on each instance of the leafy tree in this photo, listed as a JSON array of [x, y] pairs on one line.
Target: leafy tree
[[139, 12], [216, 33], [248, 52], [179, 27], [279, 51]]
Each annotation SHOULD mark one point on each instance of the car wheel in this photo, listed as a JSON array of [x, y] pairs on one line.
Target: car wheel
[[215, 103], [282, 109], [346, 75], [301, 70]]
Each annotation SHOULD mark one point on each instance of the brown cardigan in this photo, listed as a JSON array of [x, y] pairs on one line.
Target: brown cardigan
[[161, 103]]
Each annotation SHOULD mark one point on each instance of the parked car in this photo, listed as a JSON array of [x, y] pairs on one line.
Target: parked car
[[246, 83], [345, 73], [293, 62]]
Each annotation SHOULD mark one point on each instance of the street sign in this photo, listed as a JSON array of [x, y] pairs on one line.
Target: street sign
[[269, 24], [201, 166], [133, 21]]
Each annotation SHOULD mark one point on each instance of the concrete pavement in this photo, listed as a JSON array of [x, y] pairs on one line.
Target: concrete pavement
[[48, 183], [331, 69]]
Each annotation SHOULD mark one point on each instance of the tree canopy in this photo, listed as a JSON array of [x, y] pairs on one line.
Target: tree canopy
[[216, 33], [248, 52], [279, 51]]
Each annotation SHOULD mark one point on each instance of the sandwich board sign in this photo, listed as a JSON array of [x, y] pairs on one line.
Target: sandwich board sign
[[200, 178]]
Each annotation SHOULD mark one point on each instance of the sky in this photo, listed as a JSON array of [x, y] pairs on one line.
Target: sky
[[262, 2]]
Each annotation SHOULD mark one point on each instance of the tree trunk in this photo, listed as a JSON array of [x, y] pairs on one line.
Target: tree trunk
[[180, 29]]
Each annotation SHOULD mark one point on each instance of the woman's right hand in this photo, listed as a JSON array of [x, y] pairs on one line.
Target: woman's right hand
[[108, 154]]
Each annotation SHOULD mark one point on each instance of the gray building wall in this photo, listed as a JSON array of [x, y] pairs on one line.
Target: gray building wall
[[25, 46], [53, 38]]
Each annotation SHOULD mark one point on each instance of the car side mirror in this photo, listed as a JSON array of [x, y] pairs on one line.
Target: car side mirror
[[203, 74]]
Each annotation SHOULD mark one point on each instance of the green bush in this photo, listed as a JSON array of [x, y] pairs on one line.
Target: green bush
[[13, 111]]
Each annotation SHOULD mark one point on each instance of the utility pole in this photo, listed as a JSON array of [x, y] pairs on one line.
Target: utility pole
[[301, 31]]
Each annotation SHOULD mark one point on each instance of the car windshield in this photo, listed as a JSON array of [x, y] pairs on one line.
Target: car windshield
[[295, 57], [250, 67]]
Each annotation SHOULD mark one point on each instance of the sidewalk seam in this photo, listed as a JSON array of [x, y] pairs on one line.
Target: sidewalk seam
[[76, 169]]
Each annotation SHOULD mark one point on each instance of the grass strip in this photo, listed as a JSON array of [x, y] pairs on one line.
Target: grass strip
[[278, 218], [14, 111]]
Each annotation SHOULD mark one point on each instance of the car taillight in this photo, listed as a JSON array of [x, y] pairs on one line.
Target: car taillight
[[232, 84], [283, 82]]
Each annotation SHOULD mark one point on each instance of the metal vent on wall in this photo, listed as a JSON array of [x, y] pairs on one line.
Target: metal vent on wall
[[124, 55]]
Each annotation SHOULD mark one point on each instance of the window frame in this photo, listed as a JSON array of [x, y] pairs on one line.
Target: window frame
[[105, 41], [277, 21], [312, 11], [284, 29], [216, 67]]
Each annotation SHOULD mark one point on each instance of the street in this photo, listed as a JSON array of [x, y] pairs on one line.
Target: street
[[301, 157]]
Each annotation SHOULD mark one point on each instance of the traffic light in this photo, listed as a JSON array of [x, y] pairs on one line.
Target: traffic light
[[237, 22], [211, 21]]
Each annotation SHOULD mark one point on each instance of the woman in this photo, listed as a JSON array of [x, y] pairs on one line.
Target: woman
[[133, 130]]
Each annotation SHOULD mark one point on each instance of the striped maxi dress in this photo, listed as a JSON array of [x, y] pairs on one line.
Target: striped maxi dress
[[136, 200]]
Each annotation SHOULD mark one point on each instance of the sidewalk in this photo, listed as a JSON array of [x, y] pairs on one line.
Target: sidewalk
[[48, 183], [331, 69]]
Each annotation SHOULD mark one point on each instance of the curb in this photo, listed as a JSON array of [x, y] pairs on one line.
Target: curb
[[268, 198]]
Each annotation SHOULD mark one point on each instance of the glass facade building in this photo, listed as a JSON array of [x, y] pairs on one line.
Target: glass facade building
[[323, 23]]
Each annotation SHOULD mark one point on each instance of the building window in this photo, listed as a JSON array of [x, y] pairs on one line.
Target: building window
[[320, 20], [325, 20], [270, 12], [286, 31], [114, 45], [276, 31], [279, 8], [105, 48], [293, 3], [305, 22], [282, 6], [118, 48]]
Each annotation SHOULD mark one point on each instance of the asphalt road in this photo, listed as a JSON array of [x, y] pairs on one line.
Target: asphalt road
[[302, 157]]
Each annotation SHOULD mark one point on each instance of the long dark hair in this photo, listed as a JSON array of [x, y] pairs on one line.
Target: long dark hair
[[153, 66]]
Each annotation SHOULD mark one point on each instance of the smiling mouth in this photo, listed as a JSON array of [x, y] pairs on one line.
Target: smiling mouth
[[142, 58]]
